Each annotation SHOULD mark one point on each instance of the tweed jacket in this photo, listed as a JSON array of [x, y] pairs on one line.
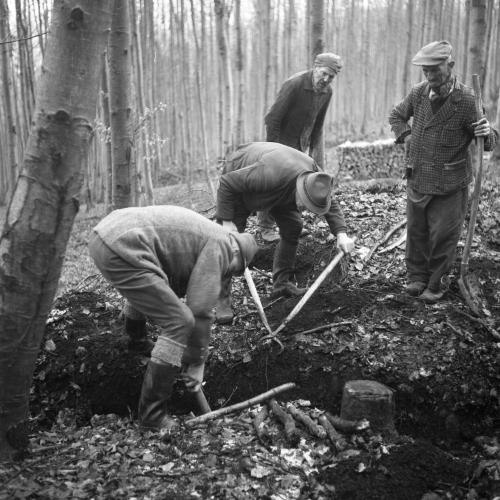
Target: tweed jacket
[[439, 146], [263, 175], [180, 246], [296, 117]]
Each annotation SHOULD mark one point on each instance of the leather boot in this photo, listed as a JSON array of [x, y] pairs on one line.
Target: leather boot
[[283, 271], [224, 312], [156, 389], [138, 340]]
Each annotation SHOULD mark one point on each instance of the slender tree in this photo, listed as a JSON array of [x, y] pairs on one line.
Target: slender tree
[[45, 200], [119, 62], [477, 42]]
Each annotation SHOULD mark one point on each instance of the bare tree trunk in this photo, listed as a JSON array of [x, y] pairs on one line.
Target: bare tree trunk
[[108, 163], [409, 48], [10, 157], [477, 42], [465, 48], [239, 71], [200, 107], [45, 201], [144, 120], [119, 96], [318, 46], [220, 10]]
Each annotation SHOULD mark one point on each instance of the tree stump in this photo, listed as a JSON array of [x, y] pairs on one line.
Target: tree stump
[[371, 400]]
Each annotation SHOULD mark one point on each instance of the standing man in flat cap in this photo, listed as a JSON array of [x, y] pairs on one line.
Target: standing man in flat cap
[[439, 166], [274, 177], [154, 256], [296, 118]]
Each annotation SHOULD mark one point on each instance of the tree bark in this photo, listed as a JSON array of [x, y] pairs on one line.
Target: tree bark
[[45, 200], [477, 42], [120, 112], [11, 136]]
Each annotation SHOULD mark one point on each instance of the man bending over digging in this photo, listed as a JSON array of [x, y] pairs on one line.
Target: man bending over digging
[[154, 256]]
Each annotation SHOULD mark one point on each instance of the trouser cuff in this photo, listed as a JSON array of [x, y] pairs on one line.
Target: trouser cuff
[[167, 351]]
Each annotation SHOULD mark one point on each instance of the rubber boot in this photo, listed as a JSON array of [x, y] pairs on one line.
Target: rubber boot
[[138, 340], [224, 312], [156, 389], [283, 271]]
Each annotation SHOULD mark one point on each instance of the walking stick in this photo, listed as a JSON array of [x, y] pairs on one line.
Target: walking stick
[[464, 282]]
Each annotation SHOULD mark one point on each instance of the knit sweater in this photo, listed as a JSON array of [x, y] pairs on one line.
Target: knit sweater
[[186, 249]]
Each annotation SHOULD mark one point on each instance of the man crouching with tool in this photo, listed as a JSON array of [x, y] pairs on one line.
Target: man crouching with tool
[[153, 256], [284, 181]]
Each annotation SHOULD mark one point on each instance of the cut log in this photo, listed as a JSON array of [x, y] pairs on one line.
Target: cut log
[[335, 437], [371, 400], [314, 428], [287, 421], [259, 424], [347, 426]]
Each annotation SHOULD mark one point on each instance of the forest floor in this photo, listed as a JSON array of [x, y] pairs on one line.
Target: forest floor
[[441, 362]]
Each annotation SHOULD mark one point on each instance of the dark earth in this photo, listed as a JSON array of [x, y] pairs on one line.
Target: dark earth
[[440, 360]]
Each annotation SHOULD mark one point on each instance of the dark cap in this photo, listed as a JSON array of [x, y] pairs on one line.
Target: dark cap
[[433, 54]]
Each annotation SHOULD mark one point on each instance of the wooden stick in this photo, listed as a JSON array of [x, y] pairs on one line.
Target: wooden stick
[[463, 284], [241, 406], [386, 237], [256, 299], [398, 242], [287, 421], [336, 438], [307, 421], [347, 426], [323, 327], [328, 269]]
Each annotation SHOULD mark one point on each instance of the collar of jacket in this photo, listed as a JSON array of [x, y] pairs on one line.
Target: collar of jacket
[[456, 91]]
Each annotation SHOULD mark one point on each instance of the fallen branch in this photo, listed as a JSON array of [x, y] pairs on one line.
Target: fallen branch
[[324, 327], [386, 237], [336, 438], [482, 322], [287, 421], [347, 426], [307, 421], [397, 243], [240, 406]]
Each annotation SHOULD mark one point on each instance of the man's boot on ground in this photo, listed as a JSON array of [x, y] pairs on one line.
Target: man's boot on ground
[[224, 312], [157, 387], [283, 271], [267, 227], [137, 333]]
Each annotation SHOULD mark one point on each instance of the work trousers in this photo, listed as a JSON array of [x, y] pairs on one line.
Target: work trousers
[[434, 226], [289, 222], [148, 293]]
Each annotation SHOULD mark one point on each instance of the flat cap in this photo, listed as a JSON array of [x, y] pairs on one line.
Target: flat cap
[[329, 60], [433, 54]]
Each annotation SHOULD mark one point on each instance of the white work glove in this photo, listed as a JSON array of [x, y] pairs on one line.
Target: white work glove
[[345, 243], [229, 225], [192, 375], [481, 128]]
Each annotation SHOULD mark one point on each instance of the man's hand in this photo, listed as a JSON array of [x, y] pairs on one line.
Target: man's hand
[[482, 128], [192, 375], [345, 243], [229, 225], [407, 142]]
